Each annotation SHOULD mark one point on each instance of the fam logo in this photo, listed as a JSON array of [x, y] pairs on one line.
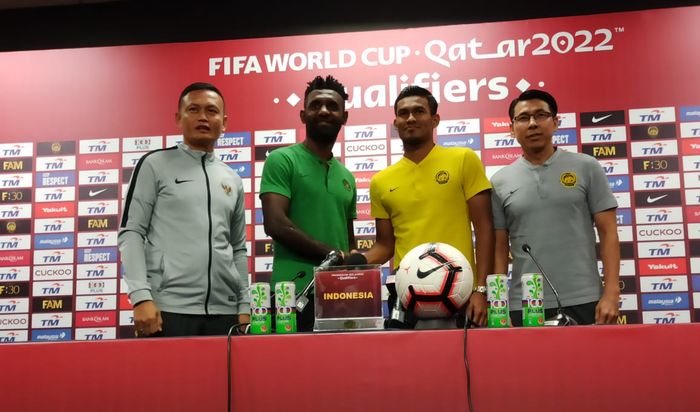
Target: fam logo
[[442, 177], [568, 179]]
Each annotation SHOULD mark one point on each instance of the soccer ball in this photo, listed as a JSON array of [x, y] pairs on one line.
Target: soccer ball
[[434, 280]]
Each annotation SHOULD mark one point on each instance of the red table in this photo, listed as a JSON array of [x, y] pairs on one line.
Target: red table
[[584, 368]]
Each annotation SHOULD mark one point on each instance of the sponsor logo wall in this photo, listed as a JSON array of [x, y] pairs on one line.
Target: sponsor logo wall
[[66, 168]]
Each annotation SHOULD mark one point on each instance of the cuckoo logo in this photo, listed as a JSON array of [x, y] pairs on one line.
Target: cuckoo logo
[[275, 137], [365, 132], [14, 321], [366, 148], [660, 232], [99, 146], [52, 272], [234, 139], [459, 126], [16, 181]]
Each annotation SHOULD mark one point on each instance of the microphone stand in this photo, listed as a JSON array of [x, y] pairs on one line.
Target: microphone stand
[[561, 318], [333, 258]]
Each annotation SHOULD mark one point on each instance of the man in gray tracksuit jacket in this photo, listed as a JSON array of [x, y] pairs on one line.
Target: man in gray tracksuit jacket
[[182, 236]]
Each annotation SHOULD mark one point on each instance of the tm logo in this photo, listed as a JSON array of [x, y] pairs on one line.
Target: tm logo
[[98, 272], [100, 147], [609, 167], [56, 195], [658, 183], [56, 226], [100, 178], [98, 304], [655, 149], [659, 217], [54, 321], [11, 306], [460, 127], [655, 116], [606, 135], [97, 240], [664, 250], [507, 142], [16, 150], [231, 155], [10, 338], [54, 289], [370, 229], [367, 133], [56, 165], [98, 335], [368, 165], [55, 257], [100, 209], [13, 181], [665, 284], [12, 243], [277, 137], [362, 198], [9, 214], [11, 275], [669, 317]]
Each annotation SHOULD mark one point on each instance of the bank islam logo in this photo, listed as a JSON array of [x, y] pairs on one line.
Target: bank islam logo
[[99, 146], [365, 132], [275, 137]]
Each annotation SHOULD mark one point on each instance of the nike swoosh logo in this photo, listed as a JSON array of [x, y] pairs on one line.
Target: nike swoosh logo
[[422, 274], [600, 119], [178, 181], [96, 192], [654, 199], [393, 188]]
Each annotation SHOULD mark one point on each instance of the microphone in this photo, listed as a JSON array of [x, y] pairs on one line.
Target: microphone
[[333, 258], [561, 318]]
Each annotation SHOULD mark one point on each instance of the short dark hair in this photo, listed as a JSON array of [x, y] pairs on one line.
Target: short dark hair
[[413, 90], [534, 95], [327, 83], [198, 86]]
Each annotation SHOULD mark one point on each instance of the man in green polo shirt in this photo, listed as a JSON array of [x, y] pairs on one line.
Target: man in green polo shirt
[[309, 197]]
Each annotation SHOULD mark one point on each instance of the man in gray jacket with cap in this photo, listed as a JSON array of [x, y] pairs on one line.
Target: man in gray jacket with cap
[[182, 234]]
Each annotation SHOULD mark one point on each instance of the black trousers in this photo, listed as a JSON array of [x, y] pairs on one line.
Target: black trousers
[[178, 324], [584, 314]]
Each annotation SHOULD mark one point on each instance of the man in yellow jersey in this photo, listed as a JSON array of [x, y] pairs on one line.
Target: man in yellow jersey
[[432, 194]]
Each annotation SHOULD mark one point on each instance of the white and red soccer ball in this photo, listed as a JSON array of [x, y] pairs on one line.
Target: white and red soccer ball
[[434, 280]]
